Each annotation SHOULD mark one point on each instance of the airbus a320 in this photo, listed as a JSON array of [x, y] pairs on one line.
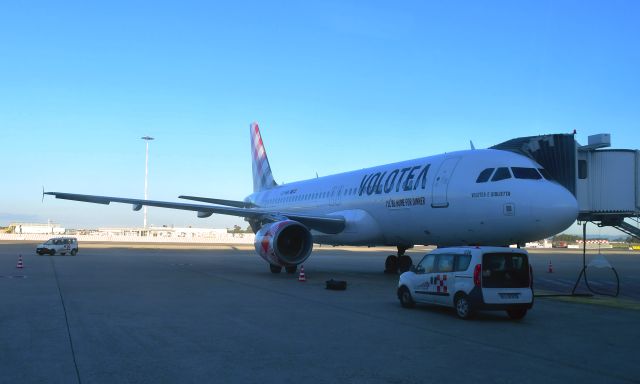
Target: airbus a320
[[470, 197]]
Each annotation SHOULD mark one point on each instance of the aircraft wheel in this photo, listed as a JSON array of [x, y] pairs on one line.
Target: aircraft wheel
[[275, 268], [404, 263], [391, 264], [291, 269], [516, 314], [405, 298]]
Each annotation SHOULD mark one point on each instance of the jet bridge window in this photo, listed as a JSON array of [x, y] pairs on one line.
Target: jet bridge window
[[582, 169], [484, 176], [502, 173], [525, 173]]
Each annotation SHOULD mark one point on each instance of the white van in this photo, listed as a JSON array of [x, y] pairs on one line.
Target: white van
[[61, 245], [471, 279]]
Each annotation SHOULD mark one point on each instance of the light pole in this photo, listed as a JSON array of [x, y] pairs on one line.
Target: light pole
[[146, 174]]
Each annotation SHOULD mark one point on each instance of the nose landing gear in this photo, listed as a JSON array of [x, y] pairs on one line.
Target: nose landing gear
[[398, 263]]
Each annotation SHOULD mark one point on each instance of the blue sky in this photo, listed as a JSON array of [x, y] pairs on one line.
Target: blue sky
[[335, 85]]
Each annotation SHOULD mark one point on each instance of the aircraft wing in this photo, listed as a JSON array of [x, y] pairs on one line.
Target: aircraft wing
[[326, 224]]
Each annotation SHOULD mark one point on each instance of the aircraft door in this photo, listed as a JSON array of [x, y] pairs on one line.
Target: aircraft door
[[441, 183]]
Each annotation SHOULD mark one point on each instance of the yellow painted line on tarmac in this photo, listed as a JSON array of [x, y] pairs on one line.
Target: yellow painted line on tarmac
[[603, 301]]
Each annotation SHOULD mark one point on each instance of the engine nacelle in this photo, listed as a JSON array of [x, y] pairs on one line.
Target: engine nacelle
[[284, 243]]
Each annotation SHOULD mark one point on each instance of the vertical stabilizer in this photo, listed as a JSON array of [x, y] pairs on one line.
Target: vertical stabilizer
[[262, 176]]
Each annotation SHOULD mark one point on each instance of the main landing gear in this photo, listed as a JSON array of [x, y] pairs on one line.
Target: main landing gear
[[400, 263], [277, 269]]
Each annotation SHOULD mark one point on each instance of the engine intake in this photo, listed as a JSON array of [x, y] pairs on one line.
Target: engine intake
[[284, 243]]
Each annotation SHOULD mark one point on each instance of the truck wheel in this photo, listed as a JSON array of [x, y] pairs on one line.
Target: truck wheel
[[463, 307], [405, 298], [73, 252], [516, 314]]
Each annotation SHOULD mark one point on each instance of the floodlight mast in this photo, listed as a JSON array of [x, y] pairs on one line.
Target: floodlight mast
[[146, 176]]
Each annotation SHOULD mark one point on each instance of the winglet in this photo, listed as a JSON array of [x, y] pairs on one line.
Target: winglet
[[262, 176], [472, 146], [43, 193]]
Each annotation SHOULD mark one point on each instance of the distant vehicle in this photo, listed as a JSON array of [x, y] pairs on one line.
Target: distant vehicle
[[471, 279], [472, 197], [61, 245], [560, 244]]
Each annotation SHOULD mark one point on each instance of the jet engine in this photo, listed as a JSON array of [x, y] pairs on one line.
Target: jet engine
[[284, 243]]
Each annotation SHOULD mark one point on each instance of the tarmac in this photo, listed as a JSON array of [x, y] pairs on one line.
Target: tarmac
[[124, 314]]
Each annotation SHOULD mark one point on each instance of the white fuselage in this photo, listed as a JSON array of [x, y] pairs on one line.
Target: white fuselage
[[431, 200]]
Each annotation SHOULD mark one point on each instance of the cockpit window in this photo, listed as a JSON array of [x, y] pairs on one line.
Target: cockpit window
[[501, 174], [525, 173], [545, 173], [484, 176]]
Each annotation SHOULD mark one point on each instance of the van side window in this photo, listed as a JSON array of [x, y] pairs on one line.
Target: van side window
[[445, 263], [502, 173], [484, 176], [426, 265], [462, 262]]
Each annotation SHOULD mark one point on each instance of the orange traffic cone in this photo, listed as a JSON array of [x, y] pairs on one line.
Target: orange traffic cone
[[20, 265], [550, 270], [302, 277]]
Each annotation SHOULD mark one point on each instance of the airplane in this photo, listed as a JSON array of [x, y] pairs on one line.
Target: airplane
[[468, 197]]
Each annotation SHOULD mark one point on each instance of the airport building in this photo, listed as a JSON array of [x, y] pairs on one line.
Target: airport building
[[36, 228]]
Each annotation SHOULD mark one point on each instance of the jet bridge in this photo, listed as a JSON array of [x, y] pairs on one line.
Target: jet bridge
[[606, 182]]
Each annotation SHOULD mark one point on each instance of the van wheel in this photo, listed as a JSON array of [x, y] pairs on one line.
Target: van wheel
[[405, 298], [73, 252], [463, 307], [516, 314]]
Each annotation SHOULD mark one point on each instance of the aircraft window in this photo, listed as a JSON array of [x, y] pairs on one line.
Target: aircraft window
[[484, 176], [545, 173], [502, 173], [525, 173]]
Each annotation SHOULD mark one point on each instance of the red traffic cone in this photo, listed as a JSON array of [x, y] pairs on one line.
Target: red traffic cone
[[302, 277], [550, 270], [20, 265]]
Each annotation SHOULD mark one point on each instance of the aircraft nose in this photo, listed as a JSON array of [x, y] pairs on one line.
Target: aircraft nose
[[559, 208]]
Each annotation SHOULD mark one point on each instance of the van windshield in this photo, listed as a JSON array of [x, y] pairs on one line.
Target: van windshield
[[505, 270]]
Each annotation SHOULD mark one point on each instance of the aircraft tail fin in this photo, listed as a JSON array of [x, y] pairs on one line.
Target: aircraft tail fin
[[262, 176]]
